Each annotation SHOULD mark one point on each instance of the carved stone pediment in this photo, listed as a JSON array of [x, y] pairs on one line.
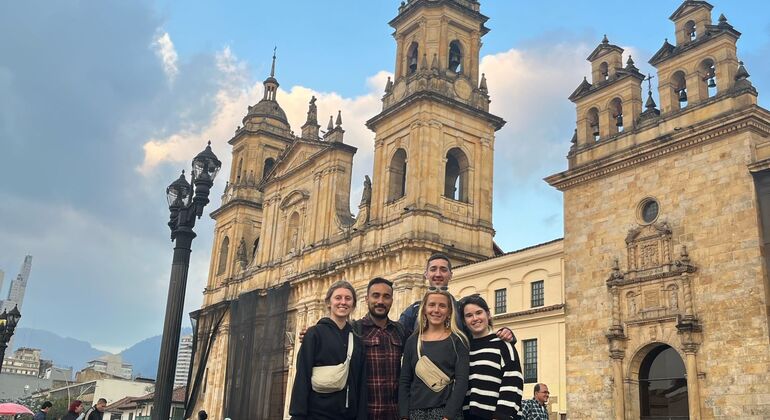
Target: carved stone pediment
[[656, 287], [649, 252]]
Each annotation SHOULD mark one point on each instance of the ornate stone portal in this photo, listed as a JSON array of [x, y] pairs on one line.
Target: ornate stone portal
[[651, 303]]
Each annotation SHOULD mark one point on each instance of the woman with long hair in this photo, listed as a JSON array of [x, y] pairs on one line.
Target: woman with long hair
[[434, 371], [495, 384], [331, 377], [74, 411]]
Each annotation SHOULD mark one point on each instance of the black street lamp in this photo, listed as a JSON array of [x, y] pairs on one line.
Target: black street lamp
[[185, 209], [8, 323]]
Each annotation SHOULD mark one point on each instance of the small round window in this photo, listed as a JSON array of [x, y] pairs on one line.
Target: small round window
[[649, 210]]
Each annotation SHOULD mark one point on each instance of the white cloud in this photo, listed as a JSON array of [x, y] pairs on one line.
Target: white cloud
[[529, 89], [232, 101], [164, 49]]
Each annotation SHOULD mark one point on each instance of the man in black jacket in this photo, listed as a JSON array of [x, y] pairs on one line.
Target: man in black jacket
[[97, 411], [43, 413]]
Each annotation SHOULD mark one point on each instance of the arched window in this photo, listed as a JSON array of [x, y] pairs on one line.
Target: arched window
[[679, 84], [689, 28], [397, 181], [224, 249], [240, 171], [292, 233], [605, 70], [412, 57], [708, 77], [269, 163], [254, 248], [593, 124], [455, 57], [616, 110], [663, 385], [456, 175]]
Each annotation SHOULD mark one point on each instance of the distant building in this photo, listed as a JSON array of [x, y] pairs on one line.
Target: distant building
[[14, 386], [139, 408], [183, 360], [109, 365], [110, 389], [18, 286], [25, 361], [43, 367], [59, 375]]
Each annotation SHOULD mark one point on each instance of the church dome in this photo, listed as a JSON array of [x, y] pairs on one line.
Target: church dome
[[267, 109]]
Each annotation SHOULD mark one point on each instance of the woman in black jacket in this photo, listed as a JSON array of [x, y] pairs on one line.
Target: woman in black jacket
[[75, 408], [326, 344]]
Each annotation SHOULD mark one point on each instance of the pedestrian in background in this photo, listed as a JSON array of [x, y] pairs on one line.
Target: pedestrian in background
[[43, 413], [74, 411]]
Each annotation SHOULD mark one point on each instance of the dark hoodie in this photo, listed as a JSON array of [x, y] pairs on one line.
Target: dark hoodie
[[325, 345]]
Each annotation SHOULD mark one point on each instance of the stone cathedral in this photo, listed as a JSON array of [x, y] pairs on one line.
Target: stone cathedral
[[285, 215], [666, 207]]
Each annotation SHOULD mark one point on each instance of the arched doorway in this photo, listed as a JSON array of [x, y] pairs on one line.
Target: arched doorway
[[663, 385]]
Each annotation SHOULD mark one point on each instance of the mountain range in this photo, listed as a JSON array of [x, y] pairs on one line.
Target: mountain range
[[71, 352]]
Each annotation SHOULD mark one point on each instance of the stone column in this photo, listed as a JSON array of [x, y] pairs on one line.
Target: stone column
[[617, 337], [688, 309], [474, 57], [443, 44], [693, 389], [618, 392], [399, 70]]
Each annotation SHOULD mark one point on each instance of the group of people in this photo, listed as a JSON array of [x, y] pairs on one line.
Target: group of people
[[440, 361], [75, 411]]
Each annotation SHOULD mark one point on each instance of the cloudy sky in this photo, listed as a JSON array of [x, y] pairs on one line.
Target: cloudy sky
[[102, 103]]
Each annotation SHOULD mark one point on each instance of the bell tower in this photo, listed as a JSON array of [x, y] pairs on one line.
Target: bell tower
[[434, 143], [257, 144], [611, 102]]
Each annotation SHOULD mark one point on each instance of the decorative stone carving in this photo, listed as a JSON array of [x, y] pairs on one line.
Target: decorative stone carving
[[653, 293], [241, 254], [366, 196]]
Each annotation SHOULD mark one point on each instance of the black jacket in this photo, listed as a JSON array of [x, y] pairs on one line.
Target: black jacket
[[94, 414], [70, 416], [325, 345]]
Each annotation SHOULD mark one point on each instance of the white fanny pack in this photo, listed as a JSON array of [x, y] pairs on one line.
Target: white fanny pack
[[430, 374], [328, 379]]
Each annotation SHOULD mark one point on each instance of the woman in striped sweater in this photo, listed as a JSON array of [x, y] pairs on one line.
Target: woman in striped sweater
[[495, 380]]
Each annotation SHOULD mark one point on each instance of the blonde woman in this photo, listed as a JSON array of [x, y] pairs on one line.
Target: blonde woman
[[434, 372], [331, 377]]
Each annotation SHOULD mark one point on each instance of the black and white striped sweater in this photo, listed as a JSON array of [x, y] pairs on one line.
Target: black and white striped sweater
[[495, 382]]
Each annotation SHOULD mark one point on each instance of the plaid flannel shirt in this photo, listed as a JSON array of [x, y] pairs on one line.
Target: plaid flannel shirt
[[532, 410], [384, 348]]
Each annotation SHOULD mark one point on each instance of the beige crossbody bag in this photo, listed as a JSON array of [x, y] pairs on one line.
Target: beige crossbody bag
[[430, 374], [328, 379]]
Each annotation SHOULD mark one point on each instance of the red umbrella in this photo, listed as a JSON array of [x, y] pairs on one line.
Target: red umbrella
[[11, 409]]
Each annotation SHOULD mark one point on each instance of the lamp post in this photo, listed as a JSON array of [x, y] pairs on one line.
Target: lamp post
[[185, 209], [8, 323]]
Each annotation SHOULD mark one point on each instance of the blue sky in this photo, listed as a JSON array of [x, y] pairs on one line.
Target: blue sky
[[102, 103]]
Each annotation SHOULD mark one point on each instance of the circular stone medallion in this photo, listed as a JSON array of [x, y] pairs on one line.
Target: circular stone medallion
[[463, 89]]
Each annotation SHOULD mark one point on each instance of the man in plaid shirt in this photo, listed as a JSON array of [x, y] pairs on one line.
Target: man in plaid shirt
[[384, 341], [534, 409]]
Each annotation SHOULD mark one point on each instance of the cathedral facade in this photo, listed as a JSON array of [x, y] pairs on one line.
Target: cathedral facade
[[285, 216], [665, 225], [655, 303]]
